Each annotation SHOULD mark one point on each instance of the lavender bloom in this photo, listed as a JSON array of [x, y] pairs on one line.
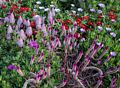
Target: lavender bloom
[[6, 20], [108, 29], [80, 9], [113, 34], [50, 18], [101, 5], [20, 21], [8, 36], [92, 10], [9, 29], [22, 34], [29, 31], [112, 85], [112, 54], [12, 18], [100, 28], [33, 44], [20, 42], [27, 22], [99, 11], [12, 67]]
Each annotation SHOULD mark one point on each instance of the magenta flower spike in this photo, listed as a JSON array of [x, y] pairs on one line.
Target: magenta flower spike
[[32, 60], [44, 75], [48, 70], [112, 85], [41, 71], [41, 57], [20, 71], [79, 57], [74, 67], [12, 67], [33, 44]]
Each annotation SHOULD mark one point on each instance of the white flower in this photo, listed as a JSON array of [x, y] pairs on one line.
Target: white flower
[[82, 30], [34, 10], [113, 34], [100, 28], [72, 5], [57, 10], [119, 39], [92, 10], [41, 8], [99, 11], [46, 9], [112, 53], [108, 29], [82, 40], [29, 31], [74, 12], [38, 2], [99, 44], [9, 29], [52, 6], [80, 9], [101, 5], [20, 42]]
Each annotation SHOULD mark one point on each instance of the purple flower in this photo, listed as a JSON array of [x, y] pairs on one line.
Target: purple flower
[[12, 67], [112, 53], [101, 5], [33, 44]]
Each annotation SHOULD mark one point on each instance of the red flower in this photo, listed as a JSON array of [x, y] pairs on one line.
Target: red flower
[[85, 17], [26, 9], [83, 26], [100, 16], [78, 20], [68, 21], [22, 9], [32, 24], [90, 23], [3, 6], [98, 23], [34, 32], [14, 7], [76, 35], [66, 27]]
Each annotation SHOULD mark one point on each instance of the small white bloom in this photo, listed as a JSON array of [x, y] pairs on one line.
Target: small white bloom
[[74, 12], [99, 44], [35, 6], [34, 10], [80, 9], [57, 10], [41, 8], [99, 11], [100, 28], [119, 39], [113, 20], [38, 2], [92, 10], [82, 40], [82, 30], [52, 6], [46, 9], [108, 29], [112, 53], [101, 5], [72, 5], [113, 34]]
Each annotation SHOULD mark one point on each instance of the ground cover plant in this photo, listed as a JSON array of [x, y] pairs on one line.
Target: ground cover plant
[[47, 44]]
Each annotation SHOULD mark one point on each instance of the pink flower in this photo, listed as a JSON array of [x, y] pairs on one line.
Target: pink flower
[[48, 70], [32, 60]]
